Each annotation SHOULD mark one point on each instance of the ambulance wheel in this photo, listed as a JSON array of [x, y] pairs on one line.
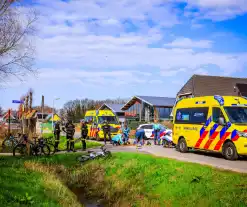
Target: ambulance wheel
[[229, 151], [182, 145]]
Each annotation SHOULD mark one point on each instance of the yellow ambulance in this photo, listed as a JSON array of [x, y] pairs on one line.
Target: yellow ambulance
[[214, 123], [95, 120]]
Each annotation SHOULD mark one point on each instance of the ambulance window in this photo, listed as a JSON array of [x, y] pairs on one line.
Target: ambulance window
[[192, 115], [199, 115], [183, 115], [216, 114]]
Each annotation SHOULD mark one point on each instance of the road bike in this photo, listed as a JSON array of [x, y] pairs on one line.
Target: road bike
[[50, 142], [36, 148], [10, 142], [92, 155]]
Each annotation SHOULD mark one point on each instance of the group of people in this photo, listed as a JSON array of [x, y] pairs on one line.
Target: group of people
[[122, 138], [69, 130], [118, 139], [165, 140]]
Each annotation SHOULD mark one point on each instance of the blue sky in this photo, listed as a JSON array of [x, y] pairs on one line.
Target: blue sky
[[107, 49]]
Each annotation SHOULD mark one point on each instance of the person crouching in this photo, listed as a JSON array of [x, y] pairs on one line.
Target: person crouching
[[139, 137]]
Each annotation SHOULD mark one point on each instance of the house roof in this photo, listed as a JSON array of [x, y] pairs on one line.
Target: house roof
[[49, 117], [151, 100], [202, 85], [114, 107], [30, 114]]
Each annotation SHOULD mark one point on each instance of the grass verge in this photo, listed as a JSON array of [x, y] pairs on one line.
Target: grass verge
[[127, 179], [78, 145]]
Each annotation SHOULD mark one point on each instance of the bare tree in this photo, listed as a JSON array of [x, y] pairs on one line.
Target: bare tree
[[1, 111], [16, 32]]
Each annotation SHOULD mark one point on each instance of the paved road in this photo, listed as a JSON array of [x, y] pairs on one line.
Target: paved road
[[211, 159]]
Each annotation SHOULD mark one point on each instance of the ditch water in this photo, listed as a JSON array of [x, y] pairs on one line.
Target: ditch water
[[79, 192]]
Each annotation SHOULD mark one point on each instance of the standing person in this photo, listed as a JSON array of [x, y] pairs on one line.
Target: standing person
[[57, 132], [156, 128], [84, 133], [107, 131], [70, 131], [126, 131]]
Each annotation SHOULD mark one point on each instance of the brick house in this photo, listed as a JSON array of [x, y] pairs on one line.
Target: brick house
[[202, 85]]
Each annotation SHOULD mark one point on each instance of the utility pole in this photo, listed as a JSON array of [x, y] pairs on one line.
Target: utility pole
[[42, 111], [25, 112], [9, 112]]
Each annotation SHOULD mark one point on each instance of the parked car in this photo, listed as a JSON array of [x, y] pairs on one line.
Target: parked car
[[148, 128]]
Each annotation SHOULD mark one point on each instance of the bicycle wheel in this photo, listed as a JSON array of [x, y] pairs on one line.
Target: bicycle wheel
[[8, 143], [52, 148], [20, 149], [46, 149], [83, 158], [35, 150], [108, 154]]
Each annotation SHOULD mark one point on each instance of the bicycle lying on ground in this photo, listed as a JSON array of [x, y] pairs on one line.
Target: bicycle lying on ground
[[36, 148], [104, 153]]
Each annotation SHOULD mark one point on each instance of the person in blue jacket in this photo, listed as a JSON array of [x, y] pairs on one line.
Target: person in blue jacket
[[126, 132], [117, 139], [140, 133], [156, 128]]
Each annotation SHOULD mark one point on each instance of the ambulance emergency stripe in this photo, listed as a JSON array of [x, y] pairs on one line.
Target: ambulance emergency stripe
[[223, 136], [91, 131], [203, 133], [94, 132], [221, 141], [234, 136], [212, 135]]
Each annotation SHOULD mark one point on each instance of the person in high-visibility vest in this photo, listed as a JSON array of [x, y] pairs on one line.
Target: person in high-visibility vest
[[84, 133], [69, 129], [57, 132], [107, 131]]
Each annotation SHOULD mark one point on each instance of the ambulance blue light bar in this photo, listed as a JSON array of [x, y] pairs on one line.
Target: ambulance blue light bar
[[220, 99]]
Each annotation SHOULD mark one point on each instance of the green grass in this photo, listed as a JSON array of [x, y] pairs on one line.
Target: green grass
[[144, 180], [127, 179], [78, 145], [16, 181]]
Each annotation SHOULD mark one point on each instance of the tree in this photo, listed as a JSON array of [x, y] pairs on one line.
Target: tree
[[76, 109], [1, 111], [16, 32]]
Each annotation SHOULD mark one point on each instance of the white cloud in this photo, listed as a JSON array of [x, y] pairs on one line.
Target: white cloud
[[78, 10], [183, 42], [217, 10], [82, 77], [86, 35]]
